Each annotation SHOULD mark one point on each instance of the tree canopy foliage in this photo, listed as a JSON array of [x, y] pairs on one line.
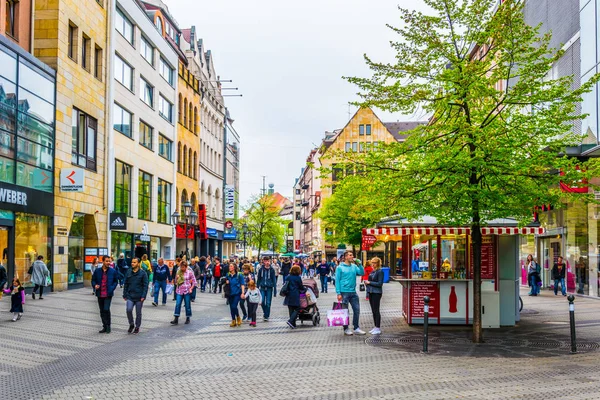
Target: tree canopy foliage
[[263, 222]]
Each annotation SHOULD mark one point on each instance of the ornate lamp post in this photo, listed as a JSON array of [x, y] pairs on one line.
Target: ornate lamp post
[[190, 218], [245, 232]]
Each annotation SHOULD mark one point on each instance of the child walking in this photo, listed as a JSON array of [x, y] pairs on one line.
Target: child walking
[[254, 299], [17, 299]]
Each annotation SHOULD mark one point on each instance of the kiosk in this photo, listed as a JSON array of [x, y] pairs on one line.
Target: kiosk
[[438, 262]]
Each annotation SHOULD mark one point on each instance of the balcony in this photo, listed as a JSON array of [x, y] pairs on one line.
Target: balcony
[[305, 186], [305, 203]]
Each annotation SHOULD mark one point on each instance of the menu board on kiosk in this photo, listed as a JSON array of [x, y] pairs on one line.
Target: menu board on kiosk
[[418, 291], [489, 257]]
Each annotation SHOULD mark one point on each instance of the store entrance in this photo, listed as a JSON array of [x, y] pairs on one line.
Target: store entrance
[[550, 249], [4, 235]]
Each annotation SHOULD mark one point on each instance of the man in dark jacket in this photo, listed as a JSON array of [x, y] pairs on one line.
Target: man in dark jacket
[[206, 272], [160, 277], [286, 265], [122, 268], [266, 282], [134, 293], [104, 280], [559, 271], [174, 279]]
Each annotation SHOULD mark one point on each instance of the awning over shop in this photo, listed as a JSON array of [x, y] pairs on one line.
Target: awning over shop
[[420, 230]]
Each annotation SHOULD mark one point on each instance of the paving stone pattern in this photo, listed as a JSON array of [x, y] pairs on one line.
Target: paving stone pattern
[[55, 352]]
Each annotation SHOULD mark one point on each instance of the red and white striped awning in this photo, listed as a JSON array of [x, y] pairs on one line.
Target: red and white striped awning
[[496, 230]]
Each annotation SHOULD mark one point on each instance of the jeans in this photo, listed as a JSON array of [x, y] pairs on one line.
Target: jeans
[[158, 285], [186, 298], [535, 289], [243, 307], [217, 282], [563, 289], [138, 312], [275, 288], [267, 295], [194, 293], [207, 279], [323, 283], [375, 302], [121, 275], [252, 307], [104, 306], [354, 301], [41, 290], [233, 306], [293, 310]]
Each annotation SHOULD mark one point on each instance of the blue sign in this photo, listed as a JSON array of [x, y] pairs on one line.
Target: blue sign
[[212, 232], [230, 236]]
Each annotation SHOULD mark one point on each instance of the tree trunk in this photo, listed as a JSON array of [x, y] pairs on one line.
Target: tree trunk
[[476, 239]]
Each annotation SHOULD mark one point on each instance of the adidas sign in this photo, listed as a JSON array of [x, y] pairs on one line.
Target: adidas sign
[[118, 223]]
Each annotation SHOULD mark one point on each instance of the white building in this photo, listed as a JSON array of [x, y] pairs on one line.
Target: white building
[[142, 174]]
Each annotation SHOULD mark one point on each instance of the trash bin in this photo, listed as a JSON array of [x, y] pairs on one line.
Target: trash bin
[[386, 274]]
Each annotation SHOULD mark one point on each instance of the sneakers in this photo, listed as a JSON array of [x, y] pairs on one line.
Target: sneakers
[[253, 324], [19, 316], [348, 332], [291, 325], [131, 327], [103, 330], [359, 331], [154, 304], [15, 315], [136, 331], [266, 319], [187, 320], [33, 295], [375, 331], [245, 317]]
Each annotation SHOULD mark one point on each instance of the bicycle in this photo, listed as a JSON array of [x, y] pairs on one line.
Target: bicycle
[[520, 304]]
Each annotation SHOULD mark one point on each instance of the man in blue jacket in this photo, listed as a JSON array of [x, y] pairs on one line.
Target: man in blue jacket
[[135, 291], [160, 278], [104, 280], [345, 287], [267, 279]]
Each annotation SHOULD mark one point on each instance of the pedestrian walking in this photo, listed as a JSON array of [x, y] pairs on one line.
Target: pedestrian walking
[[374, 284], [312, 268], [533, 275], [186, 282], [559, 271], [17, 299], [266, 282], [160, 276], [345, 287], [93, 269], [324, 270], [248, 272], [236, 284], [198, 274], [134, 293], [174, 276], [122, 268], [277, 268], [206, 274], [292, 297], [286, 265], [217, 274], [254, 298], [39, 276], [3, 279], [105, 281], [145, 265]]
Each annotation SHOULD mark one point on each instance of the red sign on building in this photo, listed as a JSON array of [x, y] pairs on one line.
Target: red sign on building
[[418, 291], [297, 245], [202, 221], [180, 231], [367, 242]]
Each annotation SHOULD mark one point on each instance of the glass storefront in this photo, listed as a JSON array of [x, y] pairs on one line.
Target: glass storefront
[[76, 245], [32, 239], [131, 246]]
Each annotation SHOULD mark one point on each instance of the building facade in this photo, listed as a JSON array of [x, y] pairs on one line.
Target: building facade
[[17, 16], [71, 37], [231, 192], [27, 137], [308, 192], [141, 160]]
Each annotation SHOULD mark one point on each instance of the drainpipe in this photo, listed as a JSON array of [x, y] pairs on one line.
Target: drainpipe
[[109, 153]]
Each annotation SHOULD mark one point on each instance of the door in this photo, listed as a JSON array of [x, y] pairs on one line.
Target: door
[[4, 236], [550, 249]]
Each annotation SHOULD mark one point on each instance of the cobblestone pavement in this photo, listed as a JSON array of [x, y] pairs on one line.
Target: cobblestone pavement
[[55, 352]]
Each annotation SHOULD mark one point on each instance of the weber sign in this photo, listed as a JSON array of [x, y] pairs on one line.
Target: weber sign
[[229, 201], [72, 180]]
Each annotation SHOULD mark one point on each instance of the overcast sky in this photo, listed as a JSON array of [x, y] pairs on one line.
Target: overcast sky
[[288, 59]]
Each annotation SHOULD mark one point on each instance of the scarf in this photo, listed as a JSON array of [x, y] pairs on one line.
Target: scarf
[[180, 277]]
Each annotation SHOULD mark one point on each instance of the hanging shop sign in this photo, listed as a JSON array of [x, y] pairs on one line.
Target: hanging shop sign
[[367, 242], [181, 233], [202, 222], [229, 201], [72, 180], [118, 221]]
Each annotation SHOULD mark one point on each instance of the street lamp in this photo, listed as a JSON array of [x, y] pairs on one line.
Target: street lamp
[[190, 218]]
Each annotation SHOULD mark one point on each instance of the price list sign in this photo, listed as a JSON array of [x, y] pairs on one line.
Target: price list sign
[[489, 257], [418, 291]]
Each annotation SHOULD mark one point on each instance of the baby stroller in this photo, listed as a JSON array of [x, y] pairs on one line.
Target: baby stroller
[[309, 311]]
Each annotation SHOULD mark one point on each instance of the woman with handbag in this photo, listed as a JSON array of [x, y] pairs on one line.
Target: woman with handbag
[[365, 277], [237, 285], [292, 295], [533, 275], [374, 284], [186, 282], [39, 276]]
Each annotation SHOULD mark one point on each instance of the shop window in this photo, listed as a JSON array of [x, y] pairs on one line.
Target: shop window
[[98, 62], [12, 18], [76, 251], [164, 202], [120, 243], [146, 133], [84, 136], [72, 41], [32, 239], [122, 120], [144, 196], [122, 188]]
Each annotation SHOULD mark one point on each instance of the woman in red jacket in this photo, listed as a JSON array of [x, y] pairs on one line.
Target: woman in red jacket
[[365, 277]]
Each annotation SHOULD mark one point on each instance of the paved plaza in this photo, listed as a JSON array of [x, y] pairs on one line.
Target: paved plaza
[[55, 352]]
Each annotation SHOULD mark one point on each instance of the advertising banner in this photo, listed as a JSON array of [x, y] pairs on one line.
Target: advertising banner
[[229, 201]]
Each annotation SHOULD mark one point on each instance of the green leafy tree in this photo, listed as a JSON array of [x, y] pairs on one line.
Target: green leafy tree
[[263, 221], [500, 123], [352, 207]]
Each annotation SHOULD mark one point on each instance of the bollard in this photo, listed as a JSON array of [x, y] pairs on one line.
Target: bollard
[[571, 299], [425, 324]]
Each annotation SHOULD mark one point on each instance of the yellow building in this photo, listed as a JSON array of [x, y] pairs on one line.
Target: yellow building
[[364, 132], [71, 36], [188, 151]]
